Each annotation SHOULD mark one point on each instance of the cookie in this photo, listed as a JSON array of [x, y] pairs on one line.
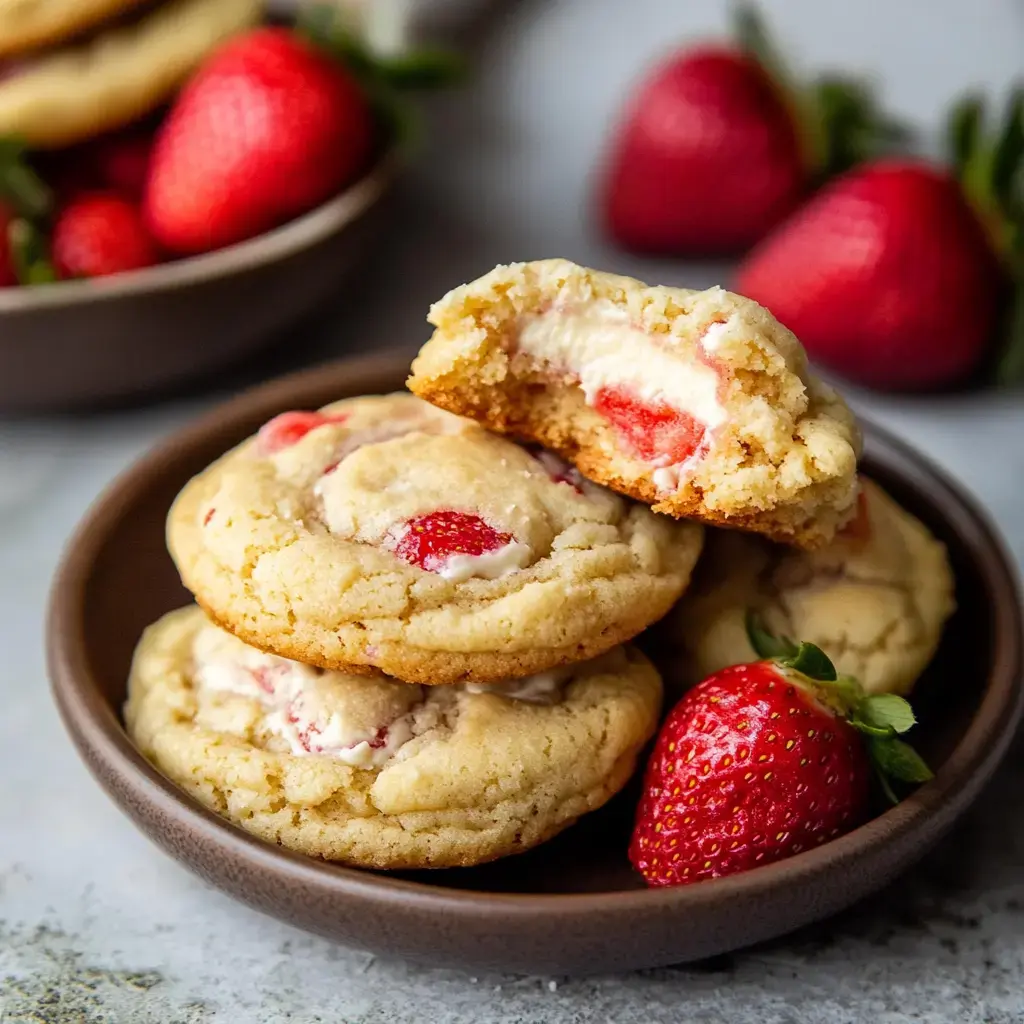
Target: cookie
[[376, 773], [29, 24], [382, 533], [698, 403], [875, 599], [118, 75]]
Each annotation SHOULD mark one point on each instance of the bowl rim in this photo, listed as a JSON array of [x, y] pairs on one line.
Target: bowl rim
[[96, 728], [270, 247]]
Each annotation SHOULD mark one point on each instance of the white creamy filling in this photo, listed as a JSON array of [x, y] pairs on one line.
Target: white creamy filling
[[542, 688], [491, 565], [599, 343], [285, 689]]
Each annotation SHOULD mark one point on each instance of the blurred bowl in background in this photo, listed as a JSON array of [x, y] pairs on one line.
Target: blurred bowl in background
[[85, 343]]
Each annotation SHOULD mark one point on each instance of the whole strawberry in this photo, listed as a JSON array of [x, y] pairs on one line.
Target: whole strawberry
[[762, 761], [886, 276], [716, 148], [98, 234], [269, 128]]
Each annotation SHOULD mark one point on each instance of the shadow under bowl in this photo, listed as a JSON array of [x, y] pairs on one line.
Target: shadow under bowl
[[572, 906], [80, 344]]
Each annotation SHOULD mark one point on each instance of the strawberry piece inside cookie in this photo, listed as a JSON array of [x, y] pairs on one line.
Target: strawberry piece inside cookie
[[655, 431], [291, 427], [457, 545], [696, 402]]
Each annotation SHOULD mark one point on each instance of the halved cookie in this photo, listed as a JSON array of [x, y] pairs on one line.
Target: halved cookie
[[383, 533], [118, 75], [381, 774], [698, 403]]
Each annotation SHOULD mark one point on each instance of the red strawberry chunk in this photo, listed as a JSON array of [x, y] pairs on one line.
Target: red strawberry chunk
[[653, 430], [430, 541], [748, 769], [291, 427]]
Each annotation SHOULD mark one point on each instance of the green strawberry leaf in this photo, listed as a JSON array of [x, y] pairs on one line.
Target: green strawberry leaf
[[852, 127], [1010, 368], [20, 186], [812, 662], [765, 644], [329, 29], [423, 69], [964, 130], [887, 710], [898, 760], [1009, 147], [30, 253], [751, 34]]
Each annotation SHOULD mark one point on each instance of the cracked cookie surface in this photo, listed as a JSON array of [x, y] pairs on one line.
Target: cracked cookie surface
[[376, 773], [875, 599], [383, 533], [697, 402]]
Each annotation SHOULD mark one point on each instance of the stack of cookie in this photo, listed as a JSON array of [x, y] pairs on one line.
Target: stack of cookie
[[74, 69], [407, 650]]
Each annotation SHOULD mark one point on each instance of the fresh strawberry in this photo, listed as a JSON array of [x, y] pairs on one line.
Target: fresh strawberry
[[99, 234], [762, 761], [8, 276], [655, 431], [289, 428], [267, 129], [716, 147], [885, 276], [430, 541]]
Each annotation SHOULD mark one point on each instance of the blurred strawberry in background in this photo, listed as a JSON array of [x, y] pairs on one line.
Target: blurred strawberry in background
[[276, 121], [98, 234], [268, 129], [718, 145], [7, 274], [896, 276]]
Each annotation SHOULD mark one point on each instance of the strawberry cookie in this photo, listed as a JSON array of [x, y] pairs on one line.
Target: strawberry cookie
[[875, 599], [377, 773], [698, 403], [383, 533]]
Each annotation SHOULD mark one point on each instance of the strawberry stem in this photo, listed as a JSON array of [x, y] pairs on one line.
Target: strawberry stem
[[20, 186], [29, 253], [385, 80], [879, 717], [1010, 369]]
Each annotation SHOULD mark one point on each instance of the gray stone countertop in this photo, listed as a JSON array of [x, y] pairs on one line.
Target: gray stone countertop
[[97, 925]]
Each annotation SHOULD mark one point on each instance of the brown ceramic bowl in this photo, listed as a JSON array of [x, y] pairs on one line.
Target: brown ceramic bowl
[[84, 343], [572, 906]]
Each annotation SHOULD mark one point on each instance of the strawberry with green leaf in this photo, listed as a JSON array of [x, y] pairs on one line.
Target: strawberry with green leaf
[[906, 276], [762, 761], [720, 144]]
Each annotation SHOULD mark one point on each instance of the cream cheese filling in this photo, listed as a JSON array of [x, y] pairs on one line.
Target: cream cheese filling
[[599, 343]]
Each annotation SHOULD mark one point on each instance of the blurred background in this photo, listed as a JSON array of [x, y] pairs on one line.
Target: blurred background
[[510, 162]]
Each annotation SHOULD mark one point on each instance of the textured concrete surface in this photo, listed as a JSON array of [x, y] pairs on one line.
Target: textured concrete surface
[[97, 926]]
